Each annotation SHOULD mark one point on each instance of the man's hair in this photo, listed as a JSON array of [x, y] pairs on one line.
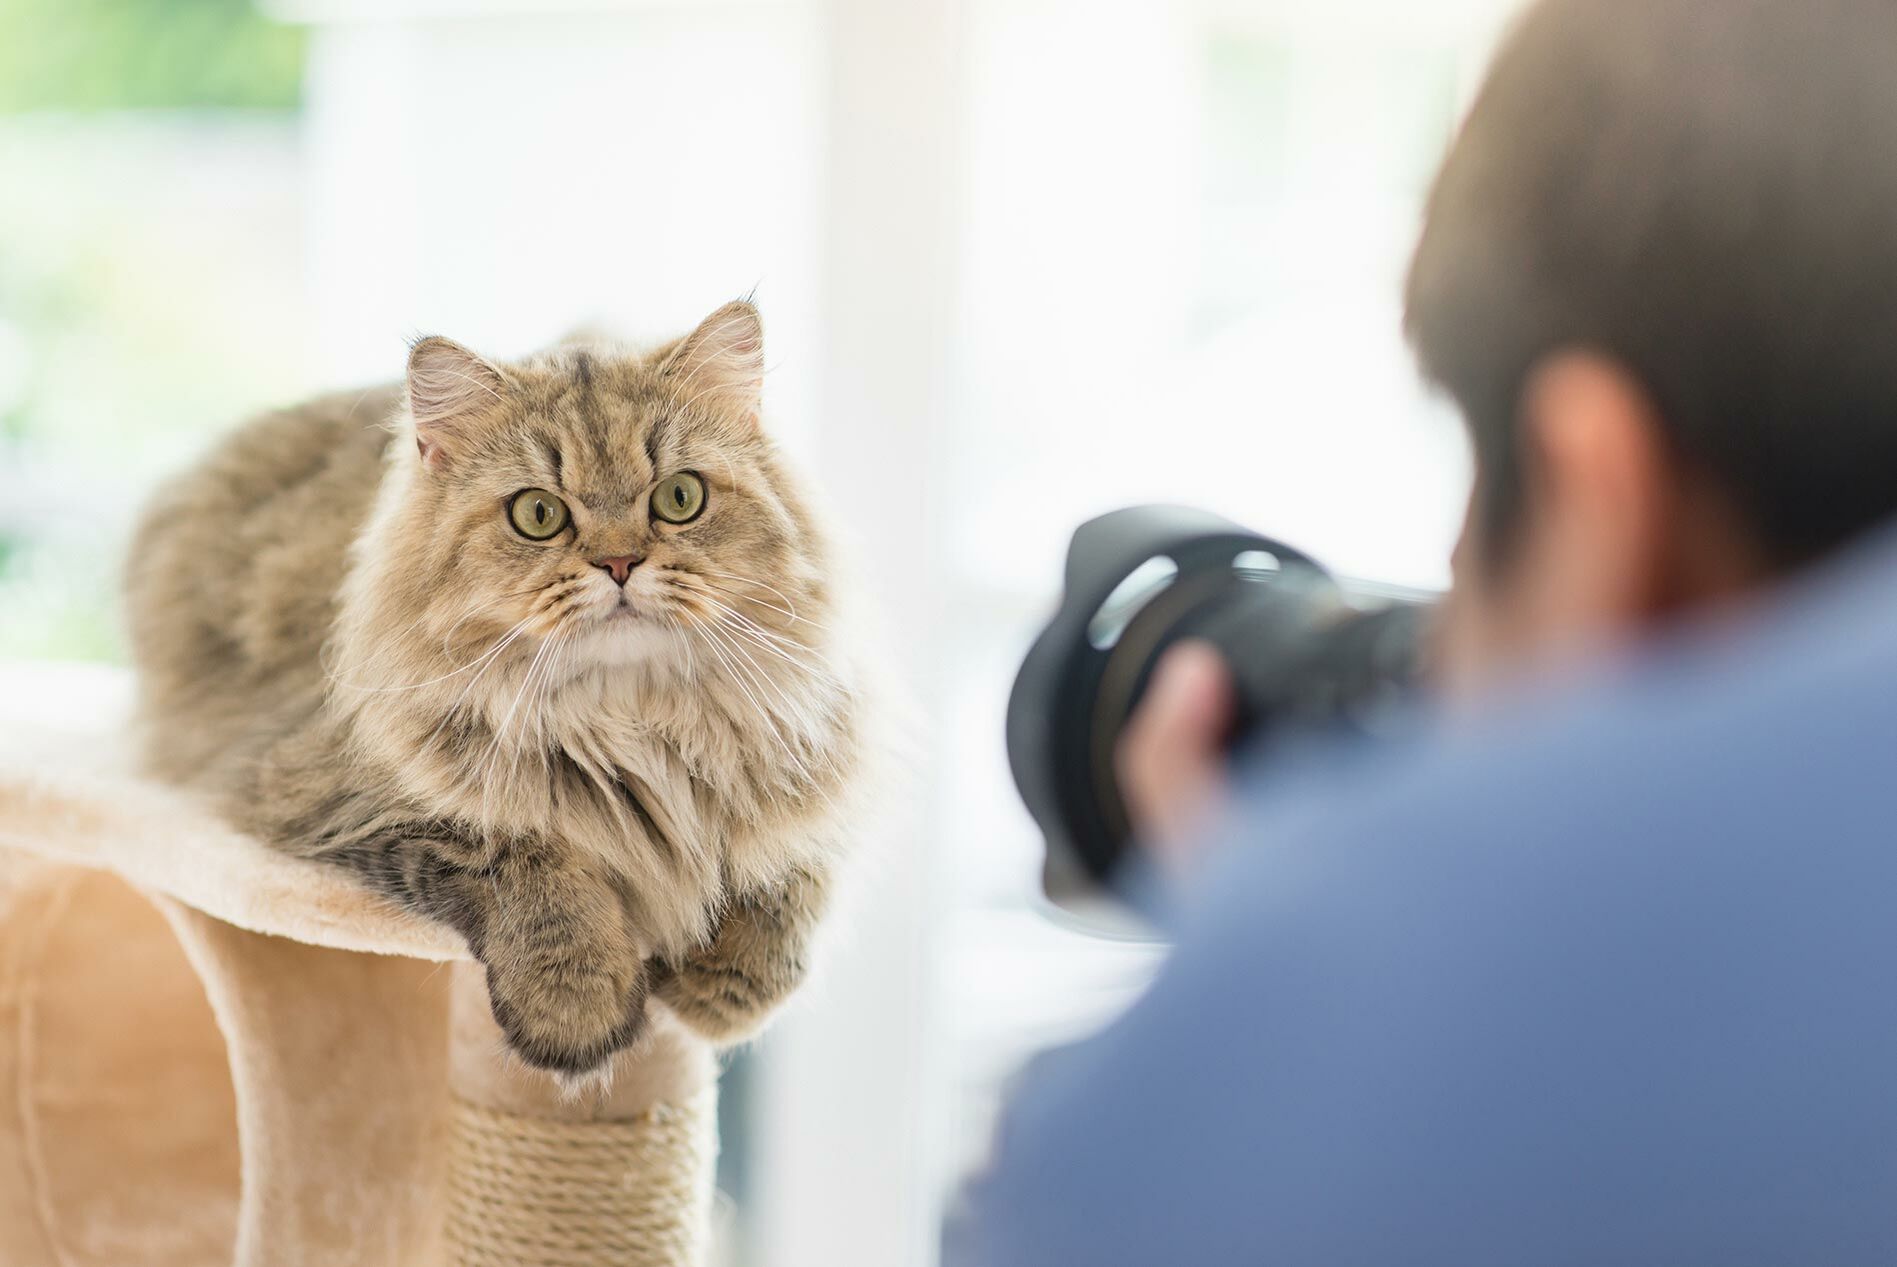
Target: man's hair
[[1705, 191]]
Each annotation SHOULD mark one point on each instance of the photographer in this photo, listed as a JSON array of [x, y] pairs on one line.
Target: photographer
[[1601, 973]]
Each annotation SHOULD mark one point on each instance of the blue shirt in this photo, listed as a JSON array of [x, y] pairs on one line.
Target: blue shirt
[[1609, 979]]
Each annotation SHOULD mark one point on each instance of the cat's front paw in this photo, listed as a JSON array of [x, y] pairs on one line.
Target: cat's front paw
[[727, 988], [724, 993], [710, 1013], [569, 1018]]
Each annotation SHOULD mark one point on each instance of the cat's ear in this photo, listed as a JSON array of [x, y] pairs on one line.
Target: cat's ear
[[449, 388], [721, 363]]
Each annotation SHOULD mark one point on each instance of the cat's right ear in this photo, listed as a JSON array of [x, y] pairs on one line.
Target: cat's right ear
[[449, 388]]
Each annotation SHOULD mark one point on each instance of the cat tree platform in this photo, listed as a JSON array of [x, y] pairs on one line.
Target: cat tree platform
[[211, 1053]]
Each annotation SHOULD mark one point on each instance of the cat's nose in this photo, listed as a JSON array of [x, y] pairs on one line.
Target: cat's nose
[[619, 566]]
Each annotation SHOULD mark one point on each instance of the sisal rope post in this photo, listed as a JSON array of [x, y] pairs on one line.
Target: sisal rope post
[[623, 1178], [580, 1194]]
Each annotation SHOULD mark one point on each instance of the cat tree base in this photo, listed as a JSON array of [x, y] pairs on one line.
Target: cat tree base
[[213, 1054]]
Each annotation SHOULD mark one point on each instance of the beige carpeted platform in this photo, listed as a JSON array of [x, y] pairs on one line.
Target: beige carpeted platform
[[211, 1054]]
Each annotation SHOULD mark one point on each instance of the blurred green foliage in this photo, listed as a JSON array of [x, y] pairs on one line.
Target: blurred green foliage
[[149, 297], [149, 259], [89, 55]]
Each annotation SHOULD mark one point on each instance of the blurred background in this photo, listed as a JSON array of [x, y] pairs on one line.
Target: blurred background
[[1020, 261]]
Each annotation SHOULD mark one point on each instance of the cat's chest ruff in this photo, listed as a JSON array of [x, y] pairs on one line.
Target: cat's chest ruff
[[625, 734], [642, 764]]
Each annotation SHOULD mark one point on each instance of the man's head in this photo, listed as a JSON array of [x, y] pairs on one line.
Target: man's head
[[1658, 274]]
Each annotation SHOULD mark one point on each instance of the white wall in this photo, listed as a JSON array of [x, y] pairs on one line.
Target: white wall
[[503, 176]]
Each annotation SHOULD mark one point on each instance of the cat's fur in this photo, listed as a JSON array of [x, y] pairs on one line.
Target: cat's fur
[[344, 642]]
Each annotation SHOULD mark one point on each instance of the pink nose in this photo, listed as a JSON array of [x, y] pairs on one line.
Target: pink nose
[[619, 565]]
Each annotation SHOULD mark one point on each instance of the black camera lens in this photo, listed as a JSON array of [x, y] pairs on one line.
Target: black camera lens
[[1304, 653]]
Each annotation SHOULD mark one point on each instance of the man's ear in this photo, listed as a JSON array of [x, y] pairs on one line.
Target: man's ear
[[449, 390], [721, 363], [1603, 499]]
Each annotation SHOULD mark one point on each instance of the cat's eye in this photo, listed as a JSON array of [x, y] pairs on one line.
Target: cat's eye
[[536, 514], [680, 498]]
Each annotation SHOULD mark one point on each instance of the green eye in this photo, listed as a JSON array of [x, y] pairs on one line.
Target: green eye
[[536, 514], [680, 498]]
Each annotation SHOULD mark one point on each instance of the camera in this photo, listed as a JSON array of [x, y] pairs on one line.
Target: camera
[[1307, 653]]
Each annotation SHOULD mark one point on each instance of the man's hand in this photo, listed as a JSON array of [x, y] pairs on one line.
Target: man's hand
[[1171, 757]]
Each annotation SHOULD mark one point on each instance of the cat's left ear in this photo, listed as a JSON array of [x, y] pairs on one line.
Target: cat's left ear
[[449, 389], [721, 363]]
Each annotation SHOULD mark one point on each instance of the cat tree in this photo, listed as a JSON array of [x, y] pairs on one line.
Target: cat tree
[[211, 1053]]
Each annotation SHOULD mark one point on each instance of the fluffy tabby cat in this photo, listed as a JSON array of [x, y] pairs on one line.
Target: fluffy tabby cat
[[546, 657]]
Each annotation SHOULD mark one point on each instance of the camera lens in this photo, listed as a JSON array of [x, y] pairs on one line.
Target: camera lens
[[1304, 653]]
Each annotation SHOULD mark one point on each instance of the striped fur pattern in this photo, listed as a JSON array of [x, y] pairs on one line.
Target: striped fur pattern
[[617, 793]]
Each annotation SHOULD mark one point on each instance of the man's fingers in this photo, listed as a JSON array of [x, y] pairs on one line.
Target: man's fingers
[[1171, 757]]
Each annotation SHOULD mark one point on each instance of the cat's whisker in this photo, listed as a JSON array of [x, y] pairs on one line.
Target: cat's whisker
[[497, 601], [748, 598], [356, 404], [731, 671], [453, 709], [751, 635], [550, 683], [743, 639], [789, 609], [766, 685], [500, 732], [781, 640], [715, 597], [703, 592], [792, 714], [739, 673], [486, 656], [337, 680], [685, 644], [784, 648], [532, 722], [483, 609], [541, 700], [394, 649]]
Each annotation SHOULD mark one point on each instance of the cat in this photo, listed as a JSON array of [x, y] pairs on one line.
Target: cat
[[542, 650]]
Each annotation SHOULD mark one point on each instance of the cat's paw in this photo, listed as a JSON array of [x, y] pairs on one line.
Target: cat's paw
[[569, 1019], [722, 1000]]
